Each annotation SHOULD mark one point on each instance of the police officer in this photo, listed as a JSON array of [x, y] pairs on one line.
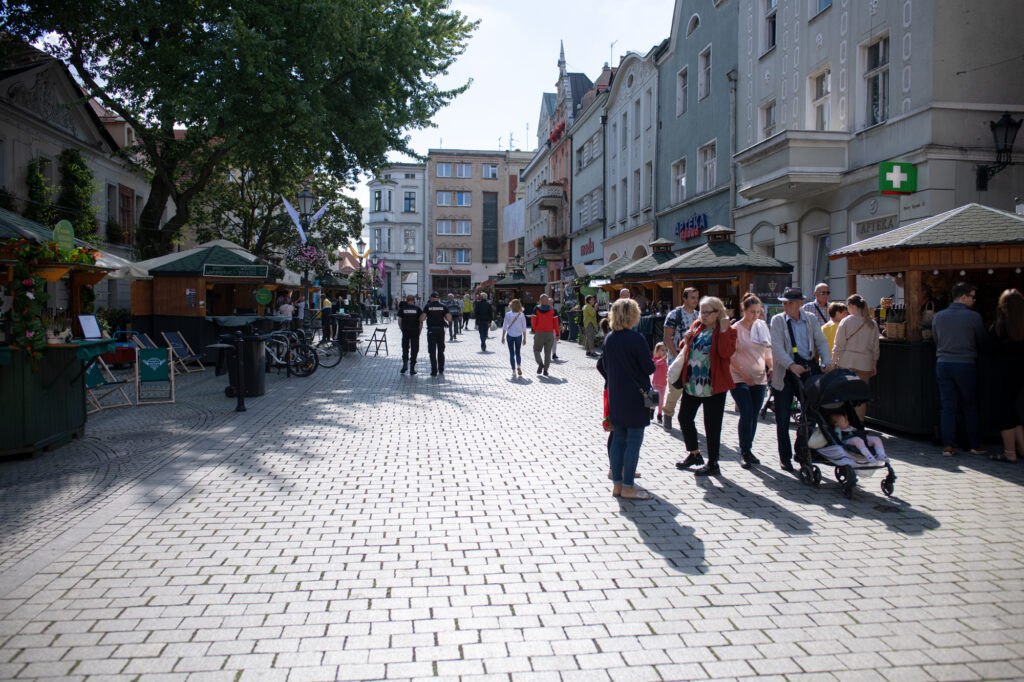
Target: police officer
[[411, 324], [436, 315]]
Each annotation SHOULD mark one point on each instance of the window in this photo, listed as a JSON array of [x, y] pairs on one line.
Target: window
[[377, 245], [625, 130], [378, 200], [444, 170], [648, 184], [636, 190], [771, 8], [112, 204], [822, 105], [410, 176], [704, 77], [443, 256], [707, 156], [462, 256], [876, 77], [490, 171], [409, 240], [649, 109], [444, 198], [768, 120], [410, 202], [824, 5], [582, 211], [387, 176], [463, 170], [679, 181], [596, 146], [580, 155], [462, 226], [636, 118], [693, 25], [611, 198], [822, 245], [444, 227], [615, 132], [624, 200], [463, 199], [682, 83], [387, 204]]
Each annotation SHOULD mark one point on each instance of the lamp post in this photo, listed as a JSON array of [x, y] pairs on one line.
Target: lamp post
[[1004, 132], [305, 200], [360, 249]]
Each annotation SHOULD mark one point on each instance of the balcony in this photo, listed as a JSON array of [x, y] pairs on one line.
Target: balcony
[[552, 247], [550, 197], [793, 164]]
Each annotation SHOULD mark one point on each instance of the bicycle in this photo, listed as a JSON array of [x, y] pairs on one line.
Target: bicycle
[[288, 350]]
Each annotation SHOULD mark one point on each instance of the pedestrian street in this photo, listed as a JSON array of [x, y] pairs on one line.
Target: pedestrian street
[[361, 524]]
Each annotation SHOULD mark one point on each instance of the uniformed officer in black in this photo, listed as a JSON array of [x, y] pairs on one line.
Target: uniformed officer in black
[[436, 315], [409, 321]]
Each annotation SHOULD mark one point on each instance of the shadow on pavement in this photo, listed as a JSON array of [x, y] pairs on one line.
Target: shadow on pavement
[[656, 520], [728, 494]]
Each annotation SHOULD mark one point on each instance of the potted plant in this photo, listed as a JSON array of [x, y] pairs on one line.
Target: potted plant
[[56, 326]]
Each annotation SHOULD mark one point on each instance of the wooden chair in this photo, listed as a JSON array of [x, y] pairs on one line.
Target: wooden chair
[[142, 340], [100, 382], [378, 339], [154, 366], [182, 352]]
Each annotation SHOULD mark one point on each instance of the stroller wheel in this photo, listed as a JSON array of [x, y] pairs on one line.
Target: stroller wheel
[[840, 475], [805, 475], [850, 482], [888, 484], [815, 477]]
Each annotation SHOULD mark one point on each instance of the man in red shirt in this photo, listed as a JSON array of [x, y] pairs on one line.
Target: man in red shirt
[[545, 329]]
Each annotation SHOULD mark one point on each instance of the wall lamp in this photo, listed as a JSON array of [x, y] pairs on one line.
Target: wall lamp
[[1004, 132]]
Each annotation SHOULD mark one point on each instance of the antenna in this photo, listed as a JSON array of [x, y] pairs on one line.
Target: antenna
[[499, 143], [511, 140], [611, 56]]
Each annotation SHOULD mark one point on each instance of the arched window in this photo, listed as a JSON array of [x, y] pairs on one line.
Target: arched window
[[692, 26]]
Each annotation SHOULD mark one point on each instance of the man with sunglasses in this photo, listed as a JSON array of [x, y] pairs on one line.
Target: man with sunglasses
[[959, 333], [818, 308]]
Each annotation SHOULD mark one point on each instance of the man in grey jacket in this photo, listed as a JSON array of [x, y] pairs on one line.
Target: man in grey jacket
[[797, 345], [959, 333]]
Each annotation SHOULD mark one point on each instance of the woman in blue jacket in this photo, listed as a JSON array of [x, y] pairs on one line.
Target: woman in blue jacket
[[626, 365]]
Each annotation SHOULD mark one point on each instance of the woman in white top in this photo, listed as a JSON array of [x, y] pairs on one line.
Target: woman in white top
[[750, 365], [514, 327]]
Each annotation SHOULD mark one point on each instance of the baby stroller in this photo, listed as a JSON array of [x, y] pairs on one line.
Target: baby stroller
[[820, 396]]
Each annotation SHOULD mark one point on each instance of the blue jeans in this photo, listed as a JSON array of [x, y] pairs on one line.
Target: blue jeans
[[958, 388], [515, 346], [748, 401], [625, 453], [483, 332]]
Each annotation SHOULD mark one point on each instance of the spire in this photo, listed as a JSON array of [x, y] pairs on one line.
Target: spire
[[561, 54]]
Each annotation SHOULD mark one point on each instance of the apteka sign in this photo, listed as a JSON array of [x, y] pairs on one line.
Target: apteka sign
[[688, 229]]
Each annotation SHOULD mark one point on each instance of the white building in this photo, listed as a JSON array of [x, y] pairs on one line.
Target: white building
[[396, 228]]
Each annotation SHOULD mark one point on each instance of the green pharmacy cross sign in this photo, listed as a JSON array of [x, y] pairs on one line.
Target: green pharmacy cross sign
[[897, 178]]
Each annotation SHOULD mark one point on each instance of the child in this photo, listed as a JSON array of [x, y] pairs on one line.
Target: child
[[660, 378], [842, 427]]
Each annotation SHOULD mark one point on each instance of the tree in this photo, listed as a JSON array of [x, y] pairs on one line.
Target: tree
[[283, 86], [244, 205], [76, 188], [39, 206]]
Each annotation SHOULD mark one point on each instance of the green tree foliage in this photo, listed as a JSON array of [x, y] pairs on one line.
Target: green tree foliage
[[39, 206], [284, 86], [244, 205], [76, 189]]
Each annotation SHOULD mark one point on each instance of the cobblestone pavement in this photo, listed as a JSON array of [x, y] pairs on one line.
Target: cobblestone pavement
[[361, 524]]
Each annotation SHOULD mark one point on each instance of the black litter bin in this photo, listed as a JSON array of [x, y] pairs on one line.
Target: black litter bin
[[253, 366]]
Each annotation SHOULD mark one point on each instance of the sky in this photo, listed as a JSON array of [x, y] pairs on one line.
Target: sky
[[512, 58]]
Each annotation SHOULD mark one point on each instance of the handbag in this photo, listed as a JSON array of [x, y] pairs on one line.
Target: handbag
[[652, 398]]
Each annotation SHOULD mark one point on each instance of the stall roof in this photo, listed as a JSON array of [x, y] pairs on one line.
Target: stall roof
[[611, 269], [333, 282], [193, 260], [644, 266], [14, 226], [722, 256], [513, 282], [968, 224]]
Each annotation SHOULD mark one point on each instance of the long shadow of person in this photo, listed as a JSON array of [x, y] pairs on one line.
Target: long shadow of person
[[656, 520], [730, 495]]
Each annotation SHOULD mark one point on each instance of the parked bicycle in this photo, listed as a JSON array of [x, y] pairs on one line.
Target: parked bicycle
[[290, 351]]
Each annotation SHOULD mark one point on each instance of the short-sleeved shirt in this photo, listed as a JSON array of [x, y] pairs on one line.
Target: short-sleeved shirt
[[819, 312], [699, 382], [409, 317], [435, 311], [679, 321]]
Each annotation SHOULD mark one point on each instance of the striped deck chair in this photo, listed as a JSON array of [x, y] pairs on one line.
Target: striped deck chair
[[100, 382], [182, 353], [154, 366]]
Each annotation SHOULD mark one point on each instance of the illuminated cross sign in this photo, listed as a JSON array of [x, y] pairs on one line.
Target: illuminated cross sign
[[897, 178]]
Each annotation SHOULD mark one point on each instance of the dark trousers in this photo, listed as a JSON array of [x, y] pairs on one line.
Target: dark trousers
[[483, 331], [410, 347], [714, 410], [783, 402], [958, 390], [748, 401], [453, 328], [435, 348]]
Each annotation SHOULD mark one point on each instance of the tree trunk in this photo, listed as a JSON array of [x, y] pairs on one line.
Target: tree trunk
[[149, 238]]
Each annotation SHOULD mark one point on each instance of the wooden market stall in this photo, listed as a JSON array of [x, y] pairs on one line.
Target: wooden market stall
[[526, 289], [973, 243]]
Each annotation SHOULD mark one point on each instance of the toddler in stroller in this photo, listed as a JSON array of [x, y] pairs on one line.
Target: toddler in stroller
[[829, 431]]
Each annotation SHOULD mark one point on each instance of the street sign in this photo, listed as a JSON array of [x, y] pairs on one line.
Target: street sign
[[264, 296], [249, 271], [64, 235], [897, 178]]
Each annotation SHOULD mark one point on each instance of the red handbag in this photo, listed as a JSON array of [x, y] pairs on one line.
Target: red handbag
[[606, 422]]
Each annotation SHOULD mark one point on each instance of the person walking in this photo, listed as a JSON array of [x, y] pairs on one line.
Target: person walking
[[626, 365], [484, 314], [677, 323], [856, 345], [590, 325], [702, 369], [410, 322], [751, 367], [545, 327], [454, 307], [1008, 341], [797, 346], [514, 329], [436, 316], [467, 310], [959, 333], [818, 308]]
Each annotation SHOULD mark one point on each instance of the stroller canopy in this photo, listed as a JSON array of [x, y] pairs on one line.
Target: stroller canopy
[[835, 388]]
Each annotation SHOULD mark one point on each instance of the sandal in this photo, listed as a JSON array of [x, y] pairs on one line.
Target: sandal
[[1003, 457], [637, 494]]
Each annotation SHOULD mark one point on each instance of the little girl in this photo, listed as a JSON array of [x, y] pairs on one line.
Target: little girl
[[660, 379], [842, 427]]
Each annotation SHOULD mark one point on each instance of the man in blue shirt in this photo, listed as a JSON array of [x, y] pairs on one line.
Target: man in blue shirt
[[793, 353], [959, 333]]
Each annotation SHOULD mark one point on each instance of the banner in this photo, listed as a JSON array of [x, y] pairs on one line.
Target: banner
[[514, 218]]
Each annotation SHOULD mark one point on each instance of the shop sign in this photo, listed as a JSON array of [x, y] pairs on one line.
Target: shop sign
[[251, 271], [688, 229], [869, 228], [64, 235], [600, 282], [264, 296], [897, 178], [190, 298], [768, 288], [588, 248]]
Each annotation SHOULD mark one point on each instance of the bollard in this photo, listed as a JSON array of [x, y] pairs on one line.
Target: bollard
[[240, 360]]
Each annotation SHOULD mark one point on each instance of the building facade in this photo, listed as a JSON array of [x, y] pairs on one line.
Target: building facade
[[831, 89], [630, 145], [587, 224], [397, 227], [696, 87]]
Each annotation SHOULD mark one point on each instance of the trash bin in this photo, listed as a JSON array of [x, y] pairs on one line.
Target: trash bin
[[253, 366]]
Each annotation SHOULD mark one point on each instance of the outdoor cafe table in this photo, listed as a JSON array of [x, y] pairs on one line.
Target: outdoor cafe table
[[242, 320]]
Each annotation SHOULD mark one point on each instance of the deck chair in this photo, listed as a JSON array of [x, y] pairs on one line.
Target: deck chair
[[154, 366], [182, 353], [100, 382], [378, 339], [142, 340]]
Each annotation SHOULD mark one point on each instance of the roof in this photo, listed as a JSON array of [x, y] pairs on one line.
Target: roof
[[579, 84], [192, 261], [514, 282], [612, 268], [548, 101], [968, 224], [14, 226], [644, 265], [722, 257]]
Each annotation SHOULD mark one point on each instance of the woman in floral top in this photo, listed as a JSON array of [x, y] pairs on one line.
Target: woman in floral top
[[702, 370]]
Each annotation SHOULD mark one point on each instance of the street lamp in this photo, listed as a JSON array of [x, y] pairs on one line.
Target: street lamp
[[305, 201], [1004, 132]]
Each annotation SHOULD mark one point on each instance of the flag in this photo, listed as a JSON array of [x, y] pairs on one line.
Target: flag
[[319, 214], [380, 268], [295, 219]]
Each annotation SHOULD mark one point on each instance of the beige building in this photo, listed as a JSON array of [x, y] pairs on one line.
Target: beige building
[[467, 191]]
